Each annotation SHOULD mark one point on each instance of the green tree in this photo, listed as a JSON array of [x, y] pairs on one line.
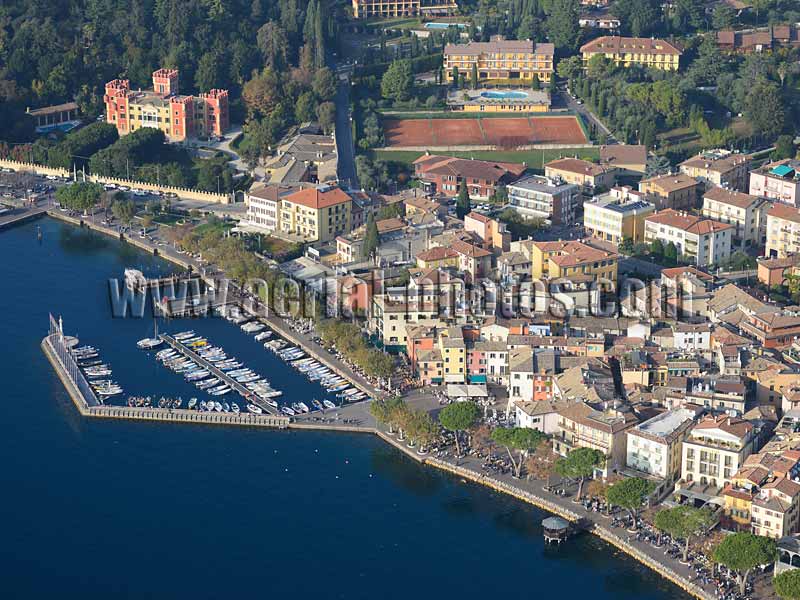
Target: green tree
[[784, 148], [682, 522], [743, 552], [305, 108], [764, 109], [79, 196], [455, 76], [562, 16], [273, 42], [324, 84], [724, 16], [462, 201], [671, 253], [473, 79], [570, 68], [379, 410], [458, 417], [657, 248], [123, 210], [535, 83], [629, 494], [370, 237], [326, 116], [626, 246], [397, 81], [579, 464], [207, 76], [522, 439], [787, 584]]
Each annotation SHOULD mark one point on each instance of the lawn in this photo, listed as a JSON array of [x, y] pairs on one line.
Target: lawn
[[535, 159]]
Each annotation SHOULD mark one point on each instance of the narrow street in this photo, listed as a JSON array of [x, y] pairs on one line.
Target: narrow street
[[344, 137]]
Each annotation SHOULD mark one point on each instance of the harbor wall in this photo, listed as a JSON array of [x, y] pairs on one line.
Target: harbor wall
[[182, 192]]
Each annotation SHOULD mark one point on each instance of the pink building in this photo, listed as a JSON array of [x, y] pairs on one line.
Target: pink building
[[777, 181]]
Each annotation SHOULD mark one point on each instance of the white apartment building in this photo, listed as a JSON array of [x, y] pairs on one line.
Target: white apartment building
[[702, 241], [263, 203], [495, 353], [718, 168], [715, 449], [745, 212], [693, 337], [539, 197], [520, 378], [617, 215], [654, 446], [783, 231]]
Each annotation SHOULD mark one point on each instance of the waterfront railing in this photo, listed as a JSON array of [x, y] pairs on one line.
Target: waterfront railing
[[69, 364]]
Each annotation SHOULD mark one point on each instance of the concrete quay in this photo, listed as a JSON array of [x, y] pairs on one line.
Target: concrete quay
[[20, 216]]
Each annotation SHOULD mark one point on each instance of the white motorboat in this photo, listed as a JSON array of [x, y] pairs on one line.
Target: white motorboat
[[328, 404], [254, 409]]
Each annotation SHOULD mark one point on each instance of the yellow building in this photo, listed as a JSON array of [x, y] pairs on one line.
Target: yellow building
[[437, 257], [454, 355], [627, 51], [500, 60], [366, 9], [616, 215], [499, 100], [573, 260], [316, 214]]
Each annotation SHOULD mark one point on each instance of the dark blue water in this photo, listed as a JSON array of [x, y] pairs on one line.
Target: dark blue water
[[142, 510]]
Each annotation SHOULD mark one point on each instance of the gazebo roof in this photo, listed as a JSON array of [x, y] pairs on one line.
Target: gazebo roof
[[554, 523]]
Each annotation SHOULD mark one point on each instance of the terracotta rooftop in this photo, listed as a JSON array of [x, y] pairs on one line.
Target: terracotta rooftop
[[686, 222], [785, 212], [623, 154], [734, 198], [576, 165], [436, 253], [464, 167], [570, 253], [733, 425], [319, 198], [669, 183], [631, 45], [717, 163], [499, 45]]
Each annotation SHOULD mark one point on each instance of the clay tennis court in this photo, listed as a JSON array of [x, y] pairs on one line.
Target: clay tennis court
[[505, 132]]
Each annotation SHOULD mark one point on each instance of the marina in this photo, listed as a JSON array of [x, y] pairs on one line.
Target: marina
[[638, 582]]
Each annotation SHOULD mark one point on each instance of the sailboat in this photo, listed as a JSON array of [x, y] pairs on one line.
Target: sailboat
[[153, 342]]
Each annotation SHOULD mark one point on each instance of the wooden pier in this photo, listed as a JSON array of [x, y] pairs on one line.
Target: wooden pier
[[247, 394]]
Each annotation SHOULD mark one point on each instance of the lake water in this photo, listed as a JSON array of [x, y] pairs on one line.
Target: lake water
[[100, 509]]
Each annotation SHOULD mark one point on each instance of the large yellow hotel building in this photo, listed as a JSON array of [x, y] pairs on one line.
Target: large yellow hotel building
[[627, 51], [500, 59]]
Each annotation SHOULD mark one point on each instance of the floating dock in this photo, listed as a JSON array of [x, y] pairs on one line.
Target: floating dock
[[242, 390]]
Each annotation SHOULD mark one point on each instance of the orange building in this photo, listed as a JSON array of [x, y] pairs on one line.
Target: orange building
[[163, 107]]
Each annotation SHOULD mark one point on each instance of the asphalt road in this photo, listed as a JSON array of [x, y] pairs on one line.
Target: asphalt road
[[588, 115], [346, 169]]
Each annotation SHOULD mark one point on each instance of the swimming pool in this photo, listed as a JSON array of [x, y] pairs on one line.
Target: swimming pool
[[443, 25], [504, 95]]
